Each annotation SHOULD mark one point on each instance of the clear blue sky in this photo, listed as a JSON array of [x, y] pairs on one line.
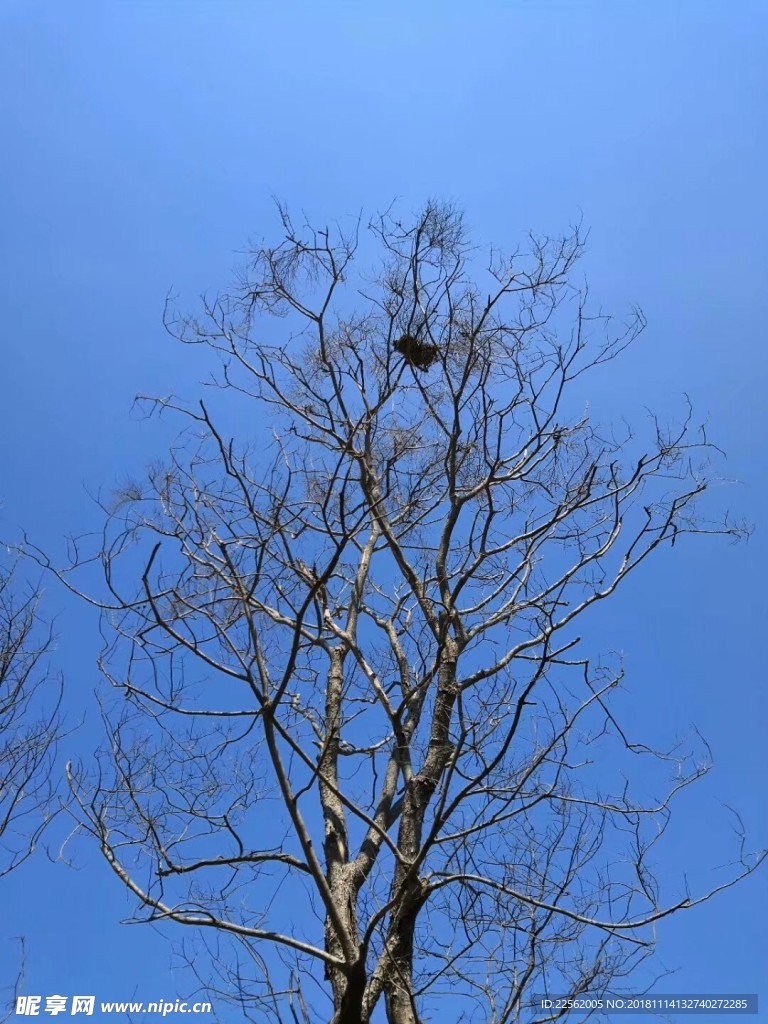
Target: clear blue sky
[[142, 143]]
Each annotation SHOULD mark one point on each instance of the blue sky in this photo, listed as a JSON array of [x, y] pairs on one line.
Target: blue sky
[[143, 142]]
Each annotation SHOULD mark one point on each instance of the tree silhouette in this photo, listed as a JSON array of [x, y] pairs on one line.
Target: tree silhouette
[[358, 727], [29, 721]]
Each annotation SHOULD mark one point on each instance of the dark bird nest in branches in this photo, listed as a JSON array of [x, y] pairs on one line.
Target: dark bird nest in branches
[[416, 353]]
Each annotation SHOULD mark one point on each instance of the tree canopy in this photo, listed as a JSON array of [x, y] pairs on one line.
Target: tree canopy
[[358, 729]]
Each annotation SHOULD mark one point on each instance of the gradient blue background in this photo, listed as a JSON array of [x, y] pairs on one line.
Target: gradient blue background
[[142, 142]]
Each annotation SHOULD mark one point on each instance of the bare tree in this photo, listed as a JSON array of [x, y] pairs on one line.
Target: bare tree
[[360, 733], [30, 726], [29, 722]]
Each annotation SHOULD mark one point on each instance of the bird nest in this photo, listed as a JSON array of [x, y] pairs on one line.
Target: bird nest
[[416, 353]]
